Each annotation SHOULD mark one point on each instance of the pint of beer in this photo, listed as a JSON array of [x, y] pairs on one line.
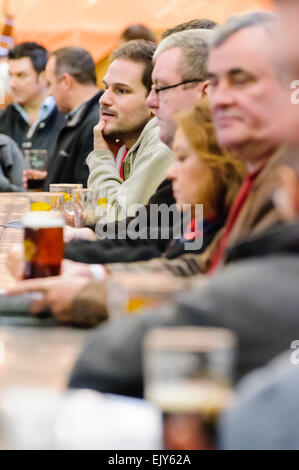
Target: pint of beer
[[188, 372], [43, 243]]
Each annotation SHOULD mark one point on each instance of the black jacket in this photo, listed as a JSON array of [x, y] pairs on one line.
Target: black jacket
[[124, 249], [257, 298], [44, 136], [74, 143]]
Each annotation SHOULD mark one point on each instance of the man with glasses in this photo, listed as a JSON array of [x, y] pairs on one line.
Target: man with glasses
[[179, 77]]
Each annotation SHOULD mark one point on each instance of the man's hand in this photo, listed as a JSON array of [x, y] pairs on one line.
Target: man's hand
[[73, 268], [58, 294], [102, 142], [33, 175], [71, 233], [15, 260]]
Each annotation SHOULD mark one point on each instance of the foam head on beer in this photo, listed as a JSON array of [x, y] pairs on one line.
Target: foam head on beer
[[43, 244]]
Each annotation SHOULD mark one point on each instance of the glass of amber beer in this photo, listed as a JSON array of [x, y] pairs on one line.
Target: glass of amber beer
[[188, 374], [43, 243]]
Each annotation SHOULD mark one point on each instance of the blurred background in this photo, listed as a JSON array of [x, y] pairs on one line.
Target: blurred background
[[97, 24]]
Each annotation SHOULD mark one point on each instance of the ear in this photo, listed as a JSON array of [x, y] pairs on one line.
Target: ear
[[67, 80], [204, 88], [286, 197]]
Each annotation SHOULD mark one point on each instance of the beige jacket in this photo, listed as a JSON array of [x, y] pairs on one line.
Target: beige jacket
[[144, 169]]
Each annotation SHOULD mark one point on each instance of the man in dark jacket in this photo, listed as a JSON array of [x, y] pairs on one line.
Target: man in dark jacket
[[32, 120], [71, 76]]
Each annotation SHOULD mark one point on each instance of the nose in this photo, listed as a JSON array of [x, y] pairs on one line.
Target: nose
[[11, 82], [221, 96], [152, 101], [171, 172], [106, 98]]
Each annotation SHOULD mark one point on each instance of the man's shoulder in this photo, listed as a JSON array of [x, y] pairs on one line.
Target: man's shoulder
[[150, 140], [249, 283], [8, 112]]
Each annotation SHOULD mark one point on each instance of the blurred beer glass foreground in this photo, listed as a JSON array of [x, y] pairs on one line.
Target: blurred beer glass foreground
[[43, 243], [89, 206], [69, 208], [188, 373], [36, 160], [133, 293]]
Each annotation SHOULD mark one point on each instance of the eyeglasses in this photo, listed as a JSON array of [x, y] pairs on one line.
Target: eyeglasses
[[158, 90]]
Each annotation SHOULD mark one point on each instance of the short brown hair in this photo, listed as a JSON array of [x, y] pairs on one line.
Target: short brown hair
[[138, 31], [138, 51], [77, 62], [228, 171]]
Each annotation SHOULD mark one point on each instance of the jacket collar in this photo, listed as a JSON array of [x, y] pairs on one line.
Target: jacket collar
[[151, 124], [78, 114]]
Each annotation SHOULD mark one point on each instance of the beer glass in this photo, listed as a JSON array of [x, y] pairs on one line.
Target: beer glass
[[43, 201], [43, 243], [35, 160], [188, 373], [69, 207], [133, 293], [89, 206]]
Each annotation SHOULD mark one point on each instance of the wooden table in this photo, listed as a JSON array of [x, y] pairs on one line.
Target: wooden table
[[35, 356]]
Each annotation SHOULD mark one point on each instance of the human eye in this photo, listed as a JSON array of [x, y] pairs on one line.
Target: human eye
[[181, 157], [121, 91], [241, 79]]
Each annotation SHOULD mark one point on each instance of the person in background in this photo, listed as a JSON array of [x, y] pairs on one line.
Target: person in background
[[32, 120], [136, 31], [71, 78]]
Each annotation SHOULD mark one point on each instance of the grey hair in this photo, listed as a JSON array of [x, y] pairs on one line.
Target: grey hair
[[195, 49], [236, 23]]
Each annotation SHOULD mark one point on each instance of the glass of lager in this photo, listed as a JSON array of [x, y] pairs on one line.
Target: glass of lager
[[43, 243], [188, 373]]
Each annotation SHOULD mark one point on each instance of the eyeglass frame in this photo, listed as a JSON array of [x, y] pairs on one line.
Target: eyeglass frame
[[157, 90]]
